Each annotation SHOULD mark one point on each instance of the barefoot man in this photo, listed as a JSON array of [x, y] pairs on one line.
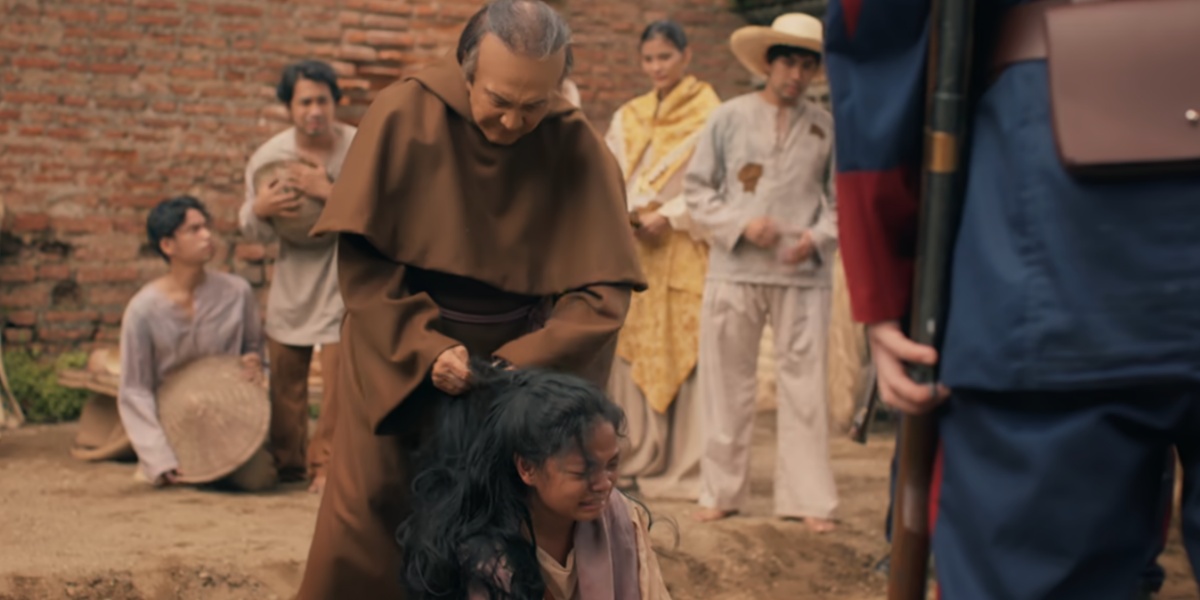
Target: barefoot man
[[304, 308], [759, 185]]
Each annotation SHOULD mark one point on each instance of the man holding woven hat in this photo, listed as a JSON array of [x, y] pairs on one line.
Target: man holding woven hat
[[759, 184], [191, 396]]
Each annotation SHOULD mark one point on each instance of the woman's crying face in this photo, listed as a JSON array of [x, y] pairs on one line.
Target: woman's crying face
[[570, 486]]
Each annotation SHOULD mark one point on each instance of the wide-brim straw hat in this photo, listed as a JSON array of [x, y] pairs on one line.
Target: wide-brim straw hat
[[214, 418], [100, 435], [798, 30]]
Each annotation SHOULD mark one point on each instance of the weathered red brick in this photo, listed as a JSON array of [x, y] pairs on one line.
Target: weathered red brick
[[115, 68], [106, 274], [353, 52], [322, 33], [36, 62], [387, 22], [193, 73], [21, 318], [17, 273], [390, 39], [29, 222], [237, 10], [156, 4], [54, 272], [17, 97], [121, 103], [65, 333], [14, 335], [115, 296], [75, 15], [25, 296], [112, 317], [158, 20], [70, 316], [389, 6], [107, 248], [91, 224]]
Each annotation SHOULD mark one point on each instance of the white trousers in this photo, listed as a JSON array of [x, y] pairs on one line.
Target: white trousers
[[731, 324]]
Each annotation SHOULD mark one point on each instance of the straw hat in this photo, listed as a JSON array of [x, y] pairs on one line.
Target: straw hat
[[214, 419], [296, 228], [750, 44], [100, 435]]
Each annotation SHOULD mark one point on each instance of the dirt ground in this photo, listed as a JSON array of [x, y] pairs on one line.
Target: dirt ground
[[77, 531]]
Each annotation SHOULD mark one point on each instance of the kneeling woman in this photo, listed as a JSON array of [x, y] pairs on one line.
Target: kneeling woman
[[517, 498]]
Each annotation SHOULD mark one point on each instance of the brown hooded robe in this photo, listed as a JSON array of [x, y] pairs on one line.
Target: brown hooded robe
[[438, 227]]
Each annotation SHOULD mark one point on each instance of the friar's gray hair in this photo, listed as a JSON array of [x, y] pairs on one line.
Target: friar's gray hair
[[527, 27]]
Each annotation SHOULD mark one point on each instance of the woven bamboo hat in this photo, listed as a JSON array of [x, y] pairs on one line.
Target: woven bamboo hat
[[295, 228], [214, 419], [750, 44], [100, 435]]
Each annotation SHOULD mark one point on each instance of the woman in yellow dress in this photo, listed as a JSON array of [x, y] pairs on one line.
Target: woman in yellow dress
[[654, 375]]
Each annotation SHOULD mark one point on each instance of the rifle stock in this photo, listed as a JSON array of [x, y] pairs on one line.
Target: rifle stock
[[950, 52]]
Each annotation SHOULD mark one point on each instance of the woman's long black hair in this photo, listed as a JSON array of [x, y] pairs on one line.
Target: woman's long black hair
[[470, 527]]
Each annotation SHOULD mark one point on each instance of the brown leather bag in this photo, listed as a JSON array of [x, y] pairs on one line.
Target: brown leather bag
[[1124, 83]]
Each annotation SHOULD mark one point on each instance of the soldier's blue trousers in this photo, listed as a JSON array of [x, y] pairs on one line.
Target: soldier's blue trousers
[[1058, 496]]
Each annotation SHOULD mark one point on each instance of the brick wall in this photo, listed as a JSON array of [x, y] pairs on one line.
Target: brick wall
[[108, 106]]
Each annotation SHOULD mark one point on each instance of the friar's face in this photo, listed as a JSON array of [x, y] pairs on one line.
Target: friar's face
[[510, 93]]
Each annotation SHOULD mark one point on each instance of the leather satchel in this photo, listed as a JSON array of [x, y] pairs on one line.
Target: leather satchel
[[1125, 88]]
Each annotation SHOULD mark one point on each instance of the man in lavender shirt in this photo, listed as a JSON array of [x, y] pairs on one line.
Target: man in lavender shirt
[[188, 313]]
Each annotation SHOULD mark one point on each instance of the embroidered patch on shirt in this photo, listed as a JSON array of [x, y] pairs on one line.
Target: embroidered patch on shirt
[[749, 176]]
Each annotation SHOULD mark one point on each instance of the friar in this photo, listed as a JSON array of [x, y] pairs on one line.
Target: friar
[[478, 214]]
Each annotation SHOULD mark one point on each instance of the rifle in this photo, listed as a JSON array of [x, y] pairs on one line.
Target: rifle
[[950, 51]]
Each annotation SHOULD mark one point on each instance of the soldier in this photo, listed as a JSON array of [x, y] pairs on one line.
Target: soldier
[[1071, 358]]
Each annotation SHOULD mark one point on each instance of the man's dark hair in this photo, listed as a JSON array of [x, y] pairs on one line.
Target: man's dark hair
[[313, 70], [166, 218], [667, 30], [780, 51], [527, 27]]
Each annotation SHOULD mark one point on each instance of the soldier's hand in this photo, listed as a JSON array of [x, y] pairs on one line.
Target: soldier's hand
[[762, 232], [890, 350], [450, 371]]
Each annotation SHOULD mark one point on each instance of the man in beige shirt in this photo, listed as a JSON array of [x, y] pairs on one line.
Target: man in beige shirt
[[288, 180], [758, 185]]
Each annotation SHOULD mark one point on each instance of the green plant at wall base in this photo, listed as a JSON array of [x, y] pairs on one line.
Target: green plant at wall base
[[34, 380]]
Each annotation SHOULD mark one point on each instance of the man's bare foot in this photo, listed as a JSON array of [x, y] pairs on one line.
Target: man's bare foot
[[816, 525], [318, 484], [707, 515]]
